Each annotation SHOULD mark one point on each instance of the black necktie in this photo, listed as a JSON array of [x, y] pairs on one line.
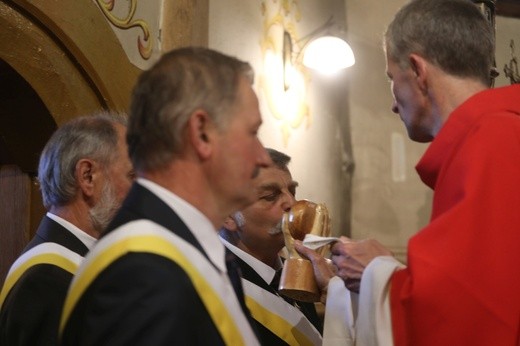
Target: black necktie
[[275, 282], [235, 276]]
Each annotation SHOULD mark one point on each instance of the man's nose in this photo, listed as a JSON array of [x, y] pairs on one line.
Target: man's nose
[[288, 201]]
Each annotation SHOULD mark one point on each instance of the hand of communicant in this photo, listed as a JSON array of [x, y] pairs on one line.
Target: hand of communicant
[[323, 269]]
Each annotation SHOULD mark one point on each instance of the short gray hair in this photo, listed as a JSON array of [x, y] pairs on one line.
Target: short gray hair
[[165, 96], [452, 34], [93, 137]]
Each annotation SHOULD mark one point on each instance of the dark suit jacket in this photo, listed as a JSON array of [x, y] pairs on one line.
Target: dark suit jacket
[[31, 311], [143, 298], [265, 335]]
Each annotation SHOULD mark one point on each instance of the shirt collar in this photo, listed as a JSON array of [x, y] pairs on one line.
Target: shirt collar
[[262, 269], [199, 225], [85, 238]]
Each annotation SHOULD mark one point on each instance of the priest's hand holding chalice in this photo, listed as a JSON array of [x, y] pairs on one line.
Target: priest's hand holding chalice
[[297, 280]]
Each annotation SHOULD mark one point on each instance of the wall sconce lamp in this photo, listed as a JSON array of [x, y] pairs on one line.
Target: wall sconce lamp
[[326, 54]]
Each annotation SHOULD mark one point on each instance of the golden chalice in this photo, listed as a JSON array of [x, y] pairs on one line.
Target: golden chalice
[[297, 279]]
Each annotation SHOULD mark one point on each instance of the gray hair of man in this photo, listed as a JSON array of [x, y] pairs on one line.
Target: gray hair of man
[[451, 34], [181, 82], [93, 136]]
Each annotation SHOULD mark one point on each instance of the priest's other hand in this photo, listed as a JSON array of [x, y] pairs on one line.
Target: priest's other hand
[[351, 258]]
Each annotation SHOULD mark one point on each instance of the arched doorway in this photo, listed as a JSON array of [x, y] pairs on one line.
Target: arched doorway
[[20, 145], [58, 60]]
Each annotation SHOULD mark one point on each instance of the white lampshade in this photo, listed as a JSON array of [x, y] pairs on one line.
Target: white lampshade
[[328, 54]]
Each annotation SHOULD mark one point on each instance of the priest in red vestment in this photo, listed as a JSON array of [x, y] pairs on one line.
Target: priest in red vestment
[[462, 282]]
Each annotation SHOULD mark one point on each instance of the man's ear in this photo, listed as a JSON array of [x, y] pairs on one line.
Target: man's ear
[[86, 173], [200, 128], [419, 67], [230, 224]]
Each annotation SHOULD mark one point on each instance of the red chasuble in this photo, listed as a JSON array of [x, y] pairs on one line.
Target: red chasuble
[[462, 283]]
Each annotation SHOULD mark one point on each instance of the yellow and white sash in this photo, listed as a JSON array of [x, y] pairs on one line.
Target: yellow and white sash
[[213, 287], [280, 317], [45, 253]]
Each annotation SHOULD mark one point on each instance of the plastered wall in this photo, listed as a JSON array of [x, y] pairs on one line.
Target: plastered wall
[[310, 125], [351, 152]]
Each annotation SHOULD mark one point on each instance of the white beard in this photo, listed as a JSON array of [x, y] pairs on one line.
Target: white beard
[[103, 212]]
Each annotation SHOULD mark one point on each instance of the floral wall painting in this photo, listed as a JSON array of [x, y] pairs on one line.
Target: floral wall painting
[[137, 26], [284, 87]]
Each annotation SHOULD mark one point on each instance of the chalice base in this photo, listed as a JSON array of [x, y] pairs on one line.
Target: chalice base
[[297, 281]]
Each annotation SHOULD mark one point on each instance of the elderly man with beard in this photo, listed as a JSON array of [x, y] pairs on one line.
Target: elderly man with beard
[[84, 173], [254, 235]]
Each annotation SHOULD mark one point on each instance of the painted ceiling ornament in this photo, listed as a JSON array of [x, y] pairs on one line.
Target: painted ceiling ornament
[[144, 44], [285, 91]]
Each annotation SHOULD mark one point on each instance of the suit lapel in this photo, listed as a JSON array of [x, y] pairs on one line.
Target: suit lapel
[[250, 274]]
